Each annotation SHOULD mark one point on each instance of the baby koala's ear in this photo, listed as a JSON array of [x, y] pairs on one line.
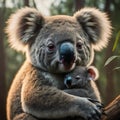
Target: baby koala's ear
[[93, 73]]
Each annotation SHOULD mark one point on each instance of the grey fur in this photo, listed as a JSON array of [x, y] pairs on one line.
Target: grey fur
[[36, 92], [84, 86]]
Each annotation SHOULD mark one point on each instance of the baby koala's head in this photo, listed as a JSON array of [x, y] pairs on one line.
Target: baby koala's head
[[80, 77]]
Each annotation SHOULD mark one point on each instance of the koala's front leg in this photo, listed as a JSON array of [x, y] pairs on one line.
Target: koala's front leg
[[44, 101]]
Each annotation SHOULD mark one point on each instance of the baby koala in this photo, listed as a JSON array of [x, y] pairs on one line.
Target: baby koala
[[81, 82]]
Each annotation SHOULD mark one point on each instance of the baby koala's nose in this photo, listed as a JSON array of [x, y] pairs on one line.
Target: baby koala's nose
[[68, 81]]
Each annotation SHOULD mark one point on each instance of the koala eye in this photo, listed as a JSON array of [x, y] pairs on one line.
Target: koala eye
[[51, 46], [79, 45], [77, 77]]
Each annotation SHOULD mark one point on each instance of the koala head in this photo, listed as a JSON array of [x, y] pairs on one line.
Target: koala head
[[59, 43]]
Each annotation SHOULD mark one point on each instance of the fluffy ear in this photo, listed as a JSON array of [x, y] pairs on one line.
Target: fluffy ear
[[95, 25], [23, 26], [93, 73]]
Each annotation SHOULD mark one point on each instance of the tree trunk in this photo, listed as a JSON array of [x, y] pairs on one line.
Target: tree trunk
[[26, 2], [109, 69], [34, 4], [2, 77], [79, 4], [2, 67]]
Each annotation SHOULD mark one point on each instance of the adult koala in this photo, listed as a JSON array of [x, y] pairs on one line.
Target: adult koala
[[54, 46]]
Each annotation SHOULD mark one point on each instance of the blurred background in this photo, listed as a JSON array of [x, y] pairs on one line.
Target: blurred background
[[10, 60]]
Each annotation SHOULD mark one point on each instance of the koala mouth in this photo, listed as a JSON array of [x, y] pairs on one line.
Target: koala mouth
[[67, 63]]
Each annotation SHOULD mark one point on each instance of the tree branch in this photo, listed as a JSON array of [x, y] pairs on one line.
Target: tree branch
[[112, 110]]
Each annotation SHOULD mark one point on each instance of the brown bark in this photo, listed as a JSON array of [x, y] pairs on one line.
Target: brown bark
[[112, 110], [2, 67], [26, 2], [109, 69], [107, 6], [79, 4], [2, 79]]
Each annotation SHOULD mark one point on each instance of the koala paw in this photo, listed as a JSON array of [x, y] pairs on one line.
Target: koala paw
[[89, 110], [97, 103], [98, 108]]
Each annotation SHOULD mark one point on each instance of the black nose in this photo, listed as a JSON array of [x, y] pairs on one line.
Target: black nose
[[67, 55]]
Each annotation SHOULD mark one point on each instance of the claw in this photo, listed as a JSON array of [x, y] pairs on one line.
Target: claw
[[89, 118], [98, 104], [93, 100], [97, 118], [98, 114]]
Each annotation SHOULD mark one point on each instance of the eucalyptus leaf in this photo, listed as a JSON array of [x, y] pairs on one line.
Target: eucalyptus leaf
[[116, 68], [116, 41], [110, 59]]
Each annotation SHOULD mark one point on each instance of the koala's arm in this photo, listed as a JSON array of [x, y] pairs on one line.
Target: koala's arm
[[44, 101]]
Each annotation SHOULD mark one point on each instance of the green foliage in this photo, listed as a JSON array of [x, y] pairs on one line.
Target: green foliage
[[62, 7], [13, 58], [116, 68], [13, 63], [116, 41], [110, 59]]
